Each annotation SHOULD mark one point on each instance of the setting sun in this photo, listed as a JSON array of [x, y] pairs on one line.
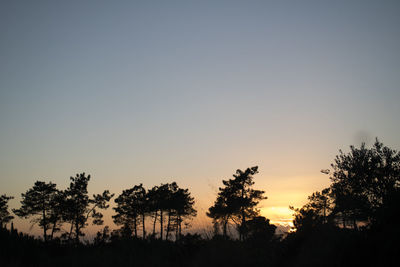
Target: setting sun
[[279, 215]]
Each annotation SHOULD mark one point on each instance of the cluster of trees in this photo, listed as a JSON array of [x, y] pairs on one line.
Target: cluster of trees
[[51, 208], [352, 222], [364, 193], [167, 204]]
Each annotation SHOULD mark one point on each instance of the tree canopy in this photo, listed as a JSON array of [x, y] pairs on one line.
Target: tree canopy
[[165, 202], [365, 182], [38, 203], [364, 191], [131, 204], [237, 201], [5, 216], [80, 207]]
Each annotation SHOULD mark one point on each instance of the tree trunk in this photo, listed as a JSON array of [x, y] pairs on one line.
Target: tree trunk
[[161, 224], [70, 230], [242, 227], [180, 229], [77, 230], [154, 223], [224, 228], [168, 225], [45, 233], [241, 235], [44, 226], [177, 228], [53, 230], [135, 226], [144, 225]]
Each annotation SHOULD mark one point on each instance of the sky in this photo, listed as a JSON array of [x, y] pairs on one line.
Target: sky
[[189, 91]]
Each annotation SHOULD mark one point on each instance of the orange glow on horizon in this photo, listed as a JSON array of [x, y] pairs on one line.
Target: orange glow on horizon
[[278, 215]]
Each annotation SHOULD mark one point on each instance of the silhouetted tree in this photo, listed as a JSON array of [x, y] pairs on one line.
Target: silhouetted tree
[[102, 236], [170, 202], [306, 219], [166, 202], [364, 182], [131, 209], [221, 214], [154, 203], [143, 205], [259, 229], [38, 202], [183, 206], [179, 206], [321, 203], [315, 212], [237, 200], [79, 207], [5, 216], [57, 211], [162, 195]]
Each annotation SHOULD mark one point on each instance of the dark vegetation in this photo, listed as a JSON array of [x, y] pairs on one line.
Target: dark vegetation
[[353, 222]]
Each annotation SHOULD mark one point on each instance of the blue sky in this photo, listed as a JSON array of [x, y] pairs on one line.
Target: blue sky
[[190, 91]]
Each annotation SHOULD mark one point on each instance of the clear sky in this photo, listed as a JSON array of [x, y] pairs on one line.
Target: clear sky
[[189, 91]]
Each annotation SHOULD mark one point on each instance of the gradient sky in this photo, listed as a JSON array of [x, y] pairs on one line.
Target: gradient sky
[[189, 91]]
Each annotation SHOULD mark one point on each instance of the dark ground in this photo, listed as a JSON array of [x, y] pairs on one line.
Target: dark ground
[[321, 247]]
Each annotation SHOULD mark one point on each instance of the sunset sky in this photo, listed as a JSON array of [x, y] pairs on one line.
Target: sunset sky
[[189, 91]]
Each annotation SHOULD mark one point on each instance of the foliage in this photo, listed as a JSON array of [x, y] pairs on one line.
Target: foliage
[[102, 237], [364, 182], [182, 206], [364, 192], [5, 216], [166, 200], [237, 201], [38, 203], [79, 207], [131, 204], [221, 214], [259, 229], [315, 212]]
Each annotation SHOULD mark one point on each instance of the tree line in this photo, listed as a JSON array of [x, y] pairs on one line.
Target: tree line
[[364, 195], [166, 208], [166, 204], [51, 209]]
